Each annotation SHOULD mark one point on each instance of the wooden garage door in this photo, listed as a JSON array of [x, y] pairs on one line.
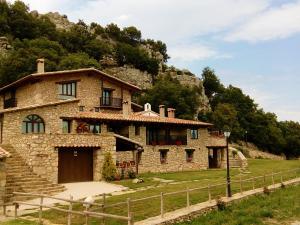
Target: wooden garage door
[[75, 165]]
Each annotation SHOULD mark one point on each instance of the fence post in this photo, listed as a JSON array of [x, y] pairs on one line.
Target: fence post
[[273, 180], [129, 211], [241, 186], [209, 194], [103, 207], [4, 210], [281, 178], [41, 210], [131, 221], [70, 209], [264, 180], [253, 183], [187, 197], [86, 214], [162, 204]]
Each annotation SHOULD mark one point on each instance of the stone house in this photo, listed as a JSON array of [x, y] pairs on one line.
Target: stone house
[[61, 124]]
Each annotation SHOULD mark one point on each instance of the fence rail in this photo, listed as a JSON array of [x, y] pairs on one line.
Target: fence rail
[[98, 210]]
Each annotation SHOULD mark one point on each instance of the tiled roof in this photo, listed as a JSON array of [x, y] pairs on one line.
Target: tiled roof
[[4, 153], [36, 75], [38, 105], [138, 118]]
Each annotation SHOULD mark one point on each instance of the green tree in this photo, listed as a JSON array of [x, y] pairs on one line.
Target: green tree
[[113, 31], [172, 94], [109, 170], [97, 49], [211, 83], [131, 35], [77, 61]]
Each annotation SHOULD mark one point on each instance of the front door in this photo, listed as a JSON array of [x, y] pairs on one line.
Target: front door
[[75, 165]]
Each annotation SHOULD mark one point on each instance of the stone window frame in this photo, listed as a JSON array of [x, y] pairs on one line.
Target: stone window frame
[[194, 133], [33, 124], [67, 89], [189, 159], [163, 156]]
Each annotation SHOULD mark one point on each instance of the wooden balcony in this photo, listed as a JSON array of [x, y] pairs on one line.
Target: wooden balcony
[[111, 102], [9, 103]]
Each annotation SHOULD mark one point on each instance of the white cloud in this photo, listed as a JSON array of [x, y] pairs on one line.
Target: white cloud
[[275, 23], [192, 52]]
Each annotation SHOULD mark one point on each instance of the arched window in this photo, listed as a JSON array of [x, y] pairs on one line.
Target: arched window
[[33, 124]]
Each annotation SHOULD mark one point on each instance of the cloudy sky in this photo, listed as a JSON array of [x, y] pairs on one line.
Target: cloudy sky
[[253, 44]]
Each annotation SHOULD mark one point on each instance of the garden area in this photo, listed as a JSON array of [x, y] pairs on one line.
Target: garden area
[[156, 183]]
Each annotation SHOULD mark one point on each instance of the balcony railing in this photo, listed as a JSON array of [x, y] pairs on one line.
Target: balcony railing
[[9, 103], [168, 140], [110, 102]]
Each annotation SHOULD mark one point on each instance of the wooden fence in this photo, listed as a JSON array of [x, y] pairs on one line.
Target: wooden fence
[[97, 210]]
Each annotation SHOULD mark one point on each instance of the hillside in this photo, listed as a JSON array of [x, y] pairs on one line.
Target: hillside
[[27, 35]]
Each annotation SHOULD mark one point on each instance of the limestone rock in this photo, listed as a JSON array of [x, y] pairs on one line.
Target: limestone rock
[[137, 181]]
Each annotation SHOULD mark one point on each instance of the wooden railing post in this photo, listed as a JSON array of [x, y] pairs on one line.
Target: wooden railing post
[[162, 204], [241, 186], [273, 180], [103, 207], [264, 180], [131, 221], [86, 215], [209, 194], [253, 183], [70, 209], [187, 197], [129, 211], [16, 210], [4, 210], [41, 210]]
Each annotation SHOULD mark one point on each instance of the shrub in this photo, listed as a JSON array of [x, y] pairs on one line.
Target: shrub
[[267, 191], [220, 203], [131, 174], [109, 170]]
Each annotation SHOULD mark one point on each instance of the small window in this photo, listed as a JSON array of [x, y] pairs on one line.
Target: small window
[[163, 156], [95, 128], [81, 108], [33, 124], [137, 130], [67, 90], [106, 97], [194, 133], [189, 155], [66, 126]]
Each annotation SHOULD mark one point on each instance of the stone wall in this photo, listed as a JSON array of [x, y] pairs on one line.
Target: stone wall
[[2, 180], [40, 151]]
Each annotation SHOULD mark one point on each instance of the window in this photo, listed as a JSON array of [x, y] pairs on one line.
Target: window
[[66, 126], [106, 97], [189, 155], [81, 108], [95, 128], [67, 90], [163, 155], [33, 124], [137, 130], [194, 134]]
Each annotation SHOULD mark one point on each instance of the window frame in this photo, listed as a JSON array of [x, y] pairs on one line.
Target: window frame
[[67, 89], [69, 126], [194, 133], [187, 157], [33, 124], [93, 126], [163, 156]]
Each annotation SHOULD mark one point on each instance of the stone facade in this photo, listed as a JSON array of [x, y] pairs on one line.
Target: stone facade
[[2, 180], [41, 150]]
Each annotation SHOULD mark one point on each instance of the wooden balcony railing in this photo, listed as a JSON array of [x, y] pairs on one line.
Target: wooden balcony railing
[[168, 140], [9, 103], [110, 102]]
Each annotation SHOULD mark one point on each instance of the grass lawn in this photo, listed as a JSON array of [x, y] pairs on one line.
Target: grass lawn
[[144, 209], [280, 207]]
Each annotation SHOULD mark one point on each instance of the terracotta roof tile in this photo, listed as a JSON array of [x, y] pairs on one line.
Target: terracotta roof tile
[[137, 118]]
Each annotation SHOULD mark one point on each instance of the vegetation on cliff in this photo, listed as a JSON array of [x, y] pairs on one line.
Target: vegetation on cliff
[[34, 36]]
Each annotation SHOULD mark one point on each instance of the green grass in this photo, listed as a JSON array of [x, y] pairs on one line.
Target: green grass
[[193, 179], [18, 222], [280, 207]]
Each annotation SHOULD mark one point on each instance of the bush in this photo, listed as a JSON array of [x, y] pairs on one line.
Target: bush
[[109, 170], [220, 203], [131, 174], [267, 191]]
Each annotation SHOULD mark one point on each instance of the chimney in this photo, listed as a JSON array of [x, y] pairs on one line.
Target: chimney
[[171, 113], [125, 108], [162, 112], [40, 65]]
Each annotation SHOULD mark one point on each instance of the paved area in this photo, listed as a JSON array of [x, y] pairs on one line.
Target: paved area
[[79, 190]]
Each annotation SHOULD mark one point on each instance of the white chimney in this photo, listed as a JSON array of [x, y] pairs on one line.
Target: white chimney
[[40, 65], [162, 112], [147, 107], [171, 113]]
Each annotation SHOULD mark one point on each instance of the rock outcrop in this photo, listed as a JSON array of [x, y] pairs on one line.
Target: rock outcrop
[[4, 45]]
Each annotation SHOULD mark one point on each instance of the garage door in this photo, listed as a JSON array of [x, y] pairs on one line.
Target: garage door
[[75, 165]]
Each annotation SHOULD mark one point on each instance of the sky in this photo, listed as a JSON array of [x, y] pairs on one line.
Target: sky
[[251, 44]]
